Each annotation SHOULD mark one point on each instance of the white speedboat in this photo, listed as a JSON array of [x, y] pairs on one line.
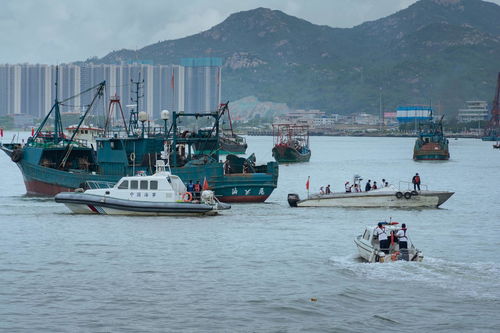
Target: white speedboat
[[160, 194], [385, 197], [369, 246]]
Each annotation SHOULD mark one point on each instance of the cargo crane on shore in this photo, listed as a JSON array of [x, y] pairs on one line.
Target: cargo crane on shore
[[492, 131]]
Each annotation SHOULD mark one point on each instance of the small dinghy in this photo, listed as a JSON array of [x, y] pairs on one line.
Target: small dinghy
[[160, 194], [369, 245]]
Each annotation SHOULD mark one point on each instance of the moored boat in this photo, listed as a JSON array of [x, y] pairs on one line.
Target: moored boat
[[52, 163], [228, 143], [160, 194], [431, 143], [291, 143], [369, 246]]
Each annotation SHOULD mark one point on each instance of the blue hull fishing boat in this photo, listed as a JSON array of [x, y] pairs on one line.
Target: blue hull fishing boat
[[51, 162]]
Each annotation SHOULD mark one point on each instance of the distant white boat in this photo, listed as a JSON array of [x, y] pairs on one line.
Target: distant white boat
[[385, 197], [369, 246], [160, 194]]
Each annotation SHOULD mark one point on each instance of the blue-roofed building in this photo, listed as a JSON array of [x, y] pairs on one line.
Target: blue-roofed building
[[412, 113]]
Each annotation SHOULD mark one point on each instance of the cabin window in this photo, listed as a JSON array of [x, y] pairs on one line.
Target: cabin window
[[116, 145], [86, 131], [144, 184], [366, 235], [134, 184], [153, 185], [123, 185]]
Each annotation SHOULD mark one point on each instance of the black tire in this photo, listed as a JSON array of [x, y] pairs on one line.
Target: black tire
[[407, 195], [414, 192], [399, 195], [17, 155]]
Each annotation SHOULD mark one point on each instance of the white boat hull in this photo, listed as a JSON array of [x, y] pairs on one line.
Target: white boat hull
[[376, 200], [372, 254], [95, 209], [81, 203]]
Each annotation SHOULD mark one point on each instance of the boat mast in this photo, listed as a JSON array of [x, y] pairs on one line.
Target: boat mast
[[133, 123], [58, 130]]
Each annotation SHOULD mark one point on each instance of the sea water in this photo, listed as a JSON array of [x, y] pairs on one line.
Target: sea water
[[263, 267]]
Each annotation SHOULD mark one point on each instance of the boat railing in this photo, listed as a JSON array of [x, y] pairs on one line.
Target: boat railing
[[409, 186], [96, 184]]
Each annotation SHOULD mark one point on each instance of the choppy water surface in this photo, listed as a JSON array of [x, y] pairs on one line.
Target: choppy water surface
[[256, 267]]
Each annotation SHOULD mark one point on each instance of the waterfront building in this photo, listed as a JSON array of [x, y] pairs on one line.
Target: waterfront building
[[413, 113], [473, 111]]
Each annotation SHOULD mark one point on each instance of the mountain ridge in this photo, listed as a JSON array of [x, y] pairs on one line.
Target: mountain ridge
[[412, 56]]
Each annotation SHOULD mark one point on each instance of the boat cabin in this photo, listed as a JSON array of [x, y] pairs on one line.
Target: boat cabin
[[160, 187]]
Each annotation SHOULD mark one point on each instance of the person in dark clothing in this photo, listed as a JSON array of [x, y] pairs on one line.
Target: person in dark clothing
[[190, 187], [416, 182], [368, 186]]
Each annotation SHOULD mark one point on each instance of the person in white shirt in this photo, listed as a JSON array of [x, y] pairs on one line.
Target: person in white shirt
[[347, 187], [382, 238], [402, 238]]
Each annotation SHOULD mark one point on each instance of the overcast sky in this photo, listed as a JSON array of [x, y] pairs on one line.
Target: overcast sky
[[57, 31]]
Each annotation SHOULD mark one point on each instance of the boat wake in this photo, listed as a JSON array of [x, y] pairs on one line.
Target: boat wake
[[443, 274]]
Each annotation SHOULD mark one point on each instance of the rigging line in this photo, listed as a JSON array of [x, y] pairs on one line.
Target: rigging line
[[83, 92], [120, 85]]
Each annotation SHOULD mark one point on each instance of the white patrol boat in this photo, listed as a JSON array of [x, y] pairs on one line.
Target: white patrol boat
[[384, 197], [369, 246], [160, 194]]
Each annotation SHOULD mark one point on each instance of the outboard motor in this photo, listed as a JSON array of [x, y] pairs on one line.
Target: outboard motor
[[207, 197], [293, 199]]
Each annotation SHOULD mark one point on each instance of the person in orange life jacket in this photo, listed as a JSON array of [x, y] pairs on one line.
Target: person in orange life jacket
[[382, 238], [368, 186], [402, 238], [197, 189], [416, 182]]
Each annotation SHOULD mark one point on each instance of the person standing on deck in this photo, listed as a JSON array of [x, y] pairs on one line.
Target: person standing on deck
[[402, 238], [197, 189], [382, 238], [416, 182], [190, 187], [368, 186]]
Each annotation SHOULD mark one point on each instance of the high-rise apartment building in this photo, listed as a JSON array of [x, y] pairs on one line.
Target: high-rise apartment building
[[30, 89], [202, 86]]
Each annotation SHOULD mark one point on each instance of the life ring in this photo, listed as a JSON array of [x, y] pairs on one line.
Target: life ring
[[17, 155], [407, 195], [187, 197], [414, 192], [132, 156], [399, 195]]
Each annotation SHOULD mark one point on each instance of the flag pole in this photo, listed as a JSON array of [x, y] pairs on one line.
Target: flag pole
[[307, 186]]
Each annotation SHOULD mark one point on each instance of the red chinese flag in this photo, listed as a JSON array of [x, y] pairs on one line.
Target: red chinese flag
[[32, 131], [307, 184], [172, 80], [205, 184]]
